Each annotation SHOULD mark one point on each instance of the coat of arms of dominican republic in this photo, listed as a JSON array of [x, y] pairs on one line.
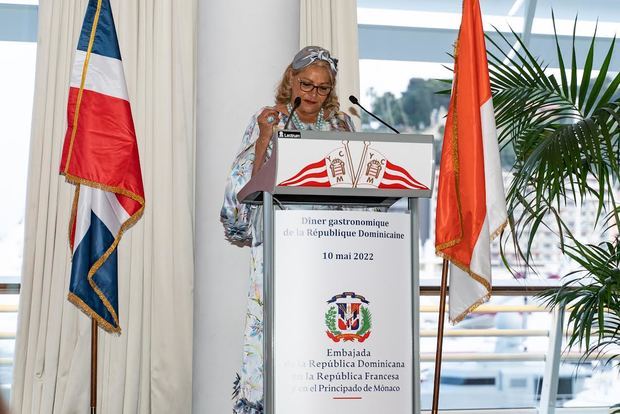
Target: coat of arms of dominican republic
[[348, 318]]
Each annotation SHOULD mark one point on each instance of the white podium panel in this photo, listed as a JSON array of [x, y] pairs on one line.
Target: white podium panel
[[380, 165], [342, 313], [312, 167]]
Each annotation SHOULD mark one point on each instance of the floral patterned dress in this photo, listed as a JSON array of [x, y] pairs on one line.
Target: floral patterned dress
[[243, 224]]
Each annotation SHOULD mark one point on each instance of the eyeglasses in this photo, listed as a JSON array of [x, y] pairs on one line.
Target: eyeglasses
[[309, 87]]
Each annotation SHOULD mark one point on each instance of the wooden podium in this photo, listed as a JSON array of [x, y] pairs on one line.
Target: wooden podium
[[340, 359]]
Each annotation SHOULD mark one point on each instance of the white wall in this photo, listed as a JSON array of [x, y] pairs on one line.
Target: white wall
[[243, 48]]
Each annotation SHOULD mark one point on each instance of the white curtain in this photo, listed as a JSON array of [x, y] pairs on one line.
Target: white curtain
[[332, 24], [148, 368]]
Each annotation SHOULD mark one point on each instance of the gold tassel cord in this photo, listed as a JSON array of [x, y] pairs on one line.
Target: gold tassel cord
[[97, 265], [74, 299], [76, 198], [478, 278], [455, 160], [78, 103]]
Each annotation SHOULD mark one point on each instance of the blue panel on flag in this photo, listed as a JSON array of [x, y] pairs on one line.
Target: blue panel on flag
[[106, 42], [94, 244]]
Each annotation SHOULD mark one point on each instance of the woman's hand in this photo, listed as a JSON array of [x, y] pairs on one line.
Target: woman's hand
[[267, 119]]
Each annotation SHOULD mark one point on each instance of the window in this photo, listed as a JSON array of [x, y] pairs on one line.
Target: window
[[404, 49], [18, 30]]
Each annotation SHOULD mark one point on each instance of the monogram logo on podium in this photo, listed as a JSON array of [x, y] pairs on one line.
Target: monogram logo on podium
[[348, 318], [337, 169]]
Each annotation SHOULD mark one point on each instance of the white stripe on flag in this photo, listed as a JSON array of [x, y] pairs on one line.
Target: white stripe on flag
[[468, 291], [82, 217], [105, 75], [305, 173], [106, 207], [401, 182], [465, 290], [119, 212], [311, 179], [397, 173], [493, 179]]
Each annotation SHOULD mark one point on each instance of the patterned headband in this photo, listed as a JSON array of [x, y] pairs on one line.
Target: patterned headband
[[310, 54]]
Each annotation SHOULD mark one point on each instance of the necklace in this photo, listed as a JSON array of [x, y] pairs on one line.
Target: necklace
[[317, 126]]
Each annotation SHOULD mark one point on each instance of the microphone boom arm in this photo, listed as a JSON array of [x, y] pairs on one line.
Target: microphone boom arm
[[355, 101]]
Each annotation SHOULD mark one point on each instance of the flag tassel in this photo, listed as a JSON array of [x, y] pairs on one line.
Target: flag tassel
[[440, 330]]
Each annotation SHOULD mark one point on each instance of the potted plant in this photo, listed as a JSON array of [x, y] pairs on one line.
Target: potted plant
[[565, 133]]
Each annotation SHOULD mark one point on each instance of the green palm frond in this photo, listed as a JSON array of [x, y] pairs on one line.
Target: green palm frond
[[565, 133], [592, 296]]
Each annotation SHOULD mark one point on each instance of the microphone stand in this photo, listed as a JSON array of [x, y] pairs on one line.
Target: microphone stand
[[355, 101], [290, 116]]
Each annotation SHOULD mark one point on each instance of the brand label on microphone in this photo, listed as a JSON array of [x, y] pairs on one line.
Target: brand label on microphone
[[289, 134]]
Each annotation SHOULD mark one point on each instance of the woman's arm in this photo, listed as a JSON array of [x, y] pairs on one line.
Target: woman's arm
[[235, 216], [267, 119]]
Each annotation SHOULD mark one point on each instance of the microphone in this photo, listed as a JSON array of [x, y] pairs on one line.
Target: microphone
[[354, 101], [290, 116]]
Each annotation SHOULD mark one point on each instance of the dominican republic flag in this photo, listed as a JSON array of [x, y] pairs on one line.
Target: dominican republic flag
[[100, 156], [471, 206]]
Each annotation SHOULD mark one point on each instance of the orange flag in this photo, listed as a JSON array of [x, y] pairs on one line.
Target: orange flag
[[471, 206]]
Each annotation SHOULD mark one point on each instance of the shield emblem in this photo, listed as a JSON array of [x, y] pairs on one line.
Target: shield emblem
[[348, 318]]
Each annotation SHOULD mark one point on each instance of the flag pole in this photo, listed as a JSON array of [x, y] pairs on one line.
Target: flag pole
[[93, 366], [440, 325]]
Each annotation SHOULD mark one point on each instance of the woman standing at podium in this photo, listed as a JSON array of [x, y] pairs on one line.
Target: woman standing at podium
[[311, 76]]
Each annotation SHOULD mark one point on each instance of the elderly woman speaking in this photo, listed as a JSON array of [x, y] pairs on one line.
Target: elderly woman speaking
[[311, 77]]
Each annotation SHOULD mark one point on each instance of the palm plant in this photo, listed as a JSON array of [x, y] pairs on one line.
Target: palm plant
[[565, 134]]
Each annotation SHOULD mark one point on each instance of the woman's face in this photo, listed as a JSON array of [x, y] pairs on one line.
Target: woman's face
[[318, 80]]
